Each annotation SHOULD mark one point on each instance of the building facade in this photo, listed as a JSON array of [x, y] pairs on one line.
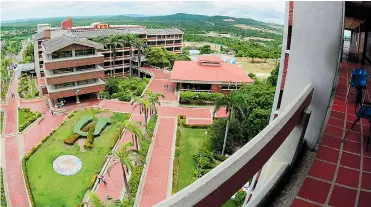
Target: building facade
[[68, 63]]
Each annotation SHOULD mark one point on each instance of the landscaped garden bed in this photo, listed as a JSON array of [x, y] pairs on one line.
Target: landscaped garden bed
[[125, 88], [27, 87], [189, 97], [1, 121], [3, 199], [26, 117], [48, 188]]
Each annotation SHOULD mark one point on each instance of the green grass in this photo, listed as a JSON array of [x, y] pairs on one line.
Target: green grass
[[230, 203], [3, 199], [26, 117], [192, 140], [51, 189]]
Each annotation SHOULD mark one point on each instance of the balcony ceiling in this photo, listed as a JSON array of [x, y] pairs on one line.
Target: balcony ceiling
[[351, 23]]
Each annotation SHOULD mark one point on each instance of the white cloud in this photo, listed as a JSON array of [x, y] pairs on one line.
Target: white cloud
[[272, 11]]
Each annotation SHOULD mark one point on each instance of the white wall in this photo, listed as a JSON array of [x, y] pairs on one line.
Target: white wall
[[314, 57]]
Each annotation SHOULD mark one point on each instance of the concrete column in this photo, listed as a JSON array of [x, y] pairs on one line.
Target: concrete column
[[98, 96], [73, 53], [77, 99], [315, 60]]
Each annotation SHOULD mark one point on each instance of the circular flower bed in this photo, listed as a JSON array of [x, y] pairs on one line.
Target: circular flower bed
[[67, 165]]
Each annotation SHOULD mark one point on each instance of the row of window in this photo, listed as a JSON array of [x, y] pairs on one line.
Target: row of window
[[164, 36], [70, 70], [66, 54], [78, 83]]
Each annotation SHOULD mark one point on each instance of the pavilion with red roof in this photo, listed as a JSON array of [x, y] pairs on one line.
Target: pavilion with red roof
[[209, 74]]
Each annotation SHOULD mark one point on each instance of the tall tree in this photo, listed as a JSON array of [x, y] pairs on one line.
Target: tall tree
[[130, 39], [113, 41], [144, 105], [233, 107], [95, 201], [141, 46], [125, 156], [136, 131], [154, 99]]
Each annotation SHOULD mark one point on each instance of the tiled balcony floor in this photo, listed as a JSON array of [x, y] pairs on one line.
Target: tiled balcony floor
[[341, 172]]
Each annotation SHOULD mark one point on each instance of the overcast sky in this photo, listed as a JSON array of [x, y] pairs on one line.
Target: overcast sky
[[269, 11]]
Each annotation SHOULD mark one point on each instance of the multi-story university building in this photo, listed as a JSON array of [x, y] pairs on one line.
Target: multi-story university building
[[68, 64]]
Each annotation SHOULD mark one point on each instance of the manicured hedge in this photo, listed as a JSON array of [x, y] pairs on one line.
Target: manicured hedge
[[74, 137], [176, 160], [182, 122], [3, 199], [82, 122], [29, 117], [189, 97], [102, 122], [90, 138]]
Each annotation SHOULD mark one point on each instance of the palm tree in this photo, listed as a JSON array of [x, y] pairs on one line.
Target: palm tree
[[95, 201], [232, 105], [113, 41], [141, 46], [129, 39], [144, 106], [154, 99], [125, 157], [136, 130]]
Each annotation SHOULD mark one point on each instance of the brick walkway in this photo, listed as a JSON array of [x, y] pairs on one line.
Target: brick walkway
[[157, 178], [13, 171], [341, 173], [11, 121]]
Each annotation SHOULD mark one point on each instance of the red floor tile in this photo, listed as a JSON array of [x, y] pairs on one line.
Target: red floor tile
[[354, 147], [366, 181], [301, 203], [356, 128], [328, 154], [322, 170], [368, 153], [335, 122], [351, 118], [343, 197], [364, 199], [354, 136], [337, 114], [331, 141], [348, 177], [367, 164], [339, 108], [340, 103], [350, 160], [334, 131], [314, 190]]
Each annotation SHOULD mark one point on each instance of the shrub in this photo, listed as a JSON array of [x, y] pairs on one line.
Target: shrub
[[74, 137], [240, 197], [90, 138], [3, 199], [189, 97], [124, 96]]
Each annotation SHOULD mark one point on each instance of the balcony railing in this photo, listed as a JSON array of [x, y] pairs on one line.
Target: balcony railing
[[279, 142]]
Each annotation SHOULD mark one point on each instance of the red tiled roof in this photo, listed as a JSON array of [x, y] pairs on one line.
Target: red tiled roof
[[210, 58], [194, 71]]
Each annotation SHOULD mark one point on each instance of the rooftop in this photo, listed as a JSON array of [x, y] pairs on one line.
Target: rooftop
[[66, 40], [216, 72]]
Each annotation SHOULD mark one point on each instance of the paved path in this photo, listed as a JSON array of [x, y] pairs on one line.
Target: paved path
[[156, 183]]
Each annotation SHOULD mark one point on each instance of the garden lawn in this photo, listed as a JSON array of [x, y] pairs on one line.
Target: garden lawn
[[230, 203], [192, 140], [26, 117], [51, 189]]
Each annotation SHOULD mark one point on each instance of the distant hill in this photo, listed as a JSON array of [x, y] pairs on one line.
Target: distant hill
[[189, 23]]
